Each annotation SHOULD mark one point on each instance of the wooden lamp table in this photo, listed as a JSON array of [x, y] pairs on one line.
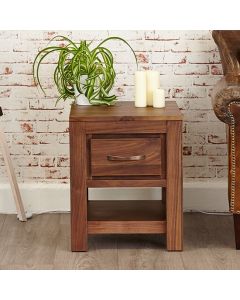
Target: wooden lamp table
[[125, 146]]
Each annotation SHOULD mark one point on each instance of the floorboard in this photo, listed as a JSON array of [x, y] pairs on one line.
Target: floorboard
[[44, 243]]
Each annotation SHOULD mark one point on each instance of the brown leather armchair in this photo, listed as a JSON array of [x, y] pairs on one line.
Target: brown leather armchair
[[226, 105]]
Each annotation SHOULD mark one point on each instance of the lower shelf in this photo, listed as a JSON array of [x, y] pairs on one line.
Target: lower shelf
[[105, 217]]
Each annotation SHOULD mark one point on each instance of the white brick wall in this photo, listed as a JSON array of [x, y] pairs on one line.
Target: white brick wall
[[37, 131]]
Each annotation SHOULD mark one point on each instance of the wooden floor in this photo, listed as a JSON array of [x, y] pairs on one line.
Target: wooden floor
[[44, 243]]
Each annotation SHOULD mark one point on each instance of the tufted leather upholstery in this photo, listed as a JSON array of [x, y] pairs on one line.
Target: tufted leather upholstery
[[226, 105]]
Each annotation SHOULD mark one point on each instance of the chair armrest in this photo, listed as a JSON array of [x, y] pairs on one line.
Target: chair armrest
[[225, 92]]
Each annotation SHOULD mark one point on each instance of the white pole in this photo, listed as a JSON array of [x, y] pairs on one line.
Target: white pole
[[12, 178]]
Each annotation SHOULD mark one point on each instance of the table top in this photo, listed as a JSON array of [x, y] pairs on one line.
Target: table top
[[125, 111]]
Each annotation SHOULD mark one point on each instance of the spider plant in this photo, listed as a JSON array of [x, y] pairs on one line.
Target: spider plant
[[82, 70]]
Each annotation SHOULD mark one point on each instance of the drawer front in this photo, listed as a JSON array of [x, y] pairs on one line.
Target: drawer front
[[127, 156]]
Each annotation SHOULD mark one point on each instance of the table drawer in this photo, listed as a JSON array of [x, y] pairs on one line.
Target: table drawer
[[128, 156]]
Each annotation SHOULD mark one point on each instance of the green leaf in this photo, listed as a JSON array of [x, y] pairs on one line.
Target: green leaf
[[76, 60]]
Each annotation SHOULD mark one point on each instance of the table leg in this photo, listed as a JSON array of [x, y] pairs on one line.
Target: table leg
[[164, 198], [174, 187], [78, 174]]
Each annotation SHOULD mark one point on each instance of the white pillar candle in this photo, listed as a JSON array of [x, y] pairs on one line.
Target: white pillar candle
[[153, 83], [140, 89], [159, 98]]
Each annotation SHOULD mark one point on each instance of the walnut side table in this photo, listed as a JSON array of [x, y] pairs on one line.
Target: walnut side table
[[124, 146]]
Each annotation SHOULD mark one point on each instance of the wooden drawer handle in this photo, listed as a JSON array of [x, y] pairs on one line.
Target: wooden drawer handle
[[125, 158]]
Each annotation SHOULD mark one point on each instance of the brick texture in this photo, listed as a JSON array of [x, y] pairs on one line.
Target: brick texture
[[37, 131]]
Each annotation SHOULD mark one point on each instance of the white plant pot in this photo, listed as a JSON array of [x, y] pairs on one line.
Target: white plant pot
[[81, 99]]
